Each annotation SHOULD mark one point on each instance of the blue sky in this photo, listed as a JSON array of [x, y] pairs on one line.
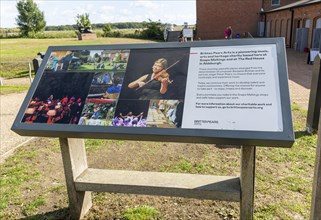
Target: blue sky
[[107, 11]]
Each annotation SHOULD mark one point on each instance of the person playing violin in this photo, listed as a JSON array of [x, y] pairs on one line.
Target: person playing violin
[[153, 85]]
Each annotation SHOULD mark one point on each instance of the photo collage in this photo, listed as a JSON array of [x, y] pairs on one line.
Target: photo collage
[[129, 88]]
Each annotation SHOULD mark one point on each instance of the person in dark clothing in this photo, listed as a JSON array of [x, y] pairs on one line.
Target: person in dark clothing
[[66, 61], [179, 114], [228, 33], [153, 85]]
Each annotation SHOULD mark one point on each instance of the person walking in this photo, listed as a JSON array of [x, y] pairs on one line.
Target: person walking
[[228, 33]]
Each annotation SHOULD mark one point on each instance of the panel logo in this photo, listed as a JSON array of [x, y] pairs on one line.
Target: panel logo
[[201, 122]]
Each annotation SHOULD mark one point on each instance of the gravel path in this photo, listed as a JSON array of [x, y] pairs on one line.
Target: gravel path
[[10, 105], [299, 82]]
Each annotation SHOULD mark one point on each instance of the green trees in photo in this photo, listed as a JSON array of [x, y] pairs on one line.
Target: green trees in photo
[[30, 19]]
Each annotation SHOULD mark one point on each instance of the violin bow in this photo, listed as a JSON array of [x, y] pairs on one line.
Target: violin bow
[[158, 74]]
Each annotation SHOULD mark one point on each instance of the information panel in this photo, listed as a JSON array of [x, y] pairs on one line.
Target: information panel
[[233, 88], [211, 91], [187, 32]]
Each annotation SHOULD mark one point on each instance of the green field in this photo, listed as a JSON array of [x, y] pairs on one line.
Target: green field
[[15, 54]]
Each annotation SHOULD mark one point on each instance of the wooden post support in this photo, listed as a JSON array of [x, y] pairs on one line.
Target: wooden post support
[[247, 182], [81, 180], [315, 97], [316, 191], [75, 162]]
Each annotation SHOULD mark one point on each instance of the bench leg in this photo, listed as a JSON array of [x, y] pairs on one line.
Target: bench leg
[[75, 162]]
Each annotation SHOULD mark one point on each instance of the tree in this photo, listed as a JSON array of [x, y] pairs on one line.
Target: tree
[[107, 30], [83, 23], [154, 30], [30, 19]]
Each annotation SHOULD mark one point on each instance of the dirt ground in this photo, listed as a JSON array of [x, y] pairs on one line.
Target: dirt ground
[[283, 179], [121, 155]]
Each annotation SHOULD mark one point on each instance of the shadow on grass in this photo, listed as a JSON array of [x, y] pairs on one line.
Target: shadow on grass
[[57, 214], [19, 74], [299, 134], [23, 73]]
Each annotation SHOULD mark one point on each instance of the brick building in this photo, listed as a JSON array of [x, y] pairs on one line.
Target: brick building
[[213, 16], [270, 18], [296, 22]]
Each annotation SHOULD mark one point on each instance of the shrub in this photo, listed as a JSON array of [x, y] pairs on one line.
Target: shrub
[[154, 30], [107, 30]]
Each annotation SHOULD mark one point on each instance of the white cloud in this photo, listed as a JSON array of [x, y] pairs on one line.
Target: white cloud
[[8, 12], [58, 12], [149, 5], [107, 9], [126, 12]]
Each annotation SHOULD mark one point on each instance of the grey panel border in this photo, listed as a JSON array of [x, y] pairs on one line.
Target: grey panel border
[[228, 137]]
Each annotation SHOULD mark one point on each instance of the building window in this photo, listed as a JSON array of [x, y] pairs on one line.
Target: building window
[[318, 23], [307, 23], [275, 2]]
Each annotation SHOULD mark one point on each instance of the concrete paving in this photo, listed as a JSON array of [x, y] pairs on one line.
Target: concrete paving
[[300, 74]]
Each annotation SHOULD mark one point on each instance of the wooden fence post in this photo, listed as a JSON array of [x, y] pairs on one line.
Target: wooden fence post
[[75, 162], [247, 182], [315, 97], [316, 191]]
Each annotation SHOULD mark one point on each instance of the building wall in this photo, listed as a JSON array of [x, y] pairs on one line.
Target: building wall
[[267, 4], [213, 16], [277, 30], [300, 17]]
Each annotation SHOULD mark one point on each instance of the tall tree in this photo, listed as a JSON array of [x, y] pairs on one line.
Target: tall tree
[[30, 19], [83, 23]]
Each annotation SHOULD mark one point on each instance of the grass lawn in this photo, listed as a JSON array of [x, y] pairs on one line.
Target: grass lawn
[[33, 187], [17, 53], [4, 90]]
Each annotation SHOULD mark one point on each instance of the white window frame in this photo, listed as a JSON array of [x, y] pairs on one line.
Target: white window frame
[[275, 4]]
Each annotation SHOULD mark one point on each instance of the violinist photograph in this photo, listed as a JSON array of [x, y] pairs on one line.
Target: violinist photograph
[[156, 74]]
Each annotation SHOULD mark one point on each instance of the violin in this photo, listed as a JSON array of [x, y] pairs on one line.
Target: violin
[[162, 75]]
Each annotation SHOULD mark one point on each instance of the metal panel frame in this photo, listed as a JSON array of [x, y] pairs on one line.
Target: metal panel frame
[[277, 139]]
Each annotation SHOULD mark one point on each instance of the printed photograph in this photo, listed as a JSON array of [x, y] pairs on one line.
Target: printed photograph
[[98, 112], [59, 61], [99, 60], [156, 74], [106, 85], [165, 113], [131, 113], [59, 98]]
